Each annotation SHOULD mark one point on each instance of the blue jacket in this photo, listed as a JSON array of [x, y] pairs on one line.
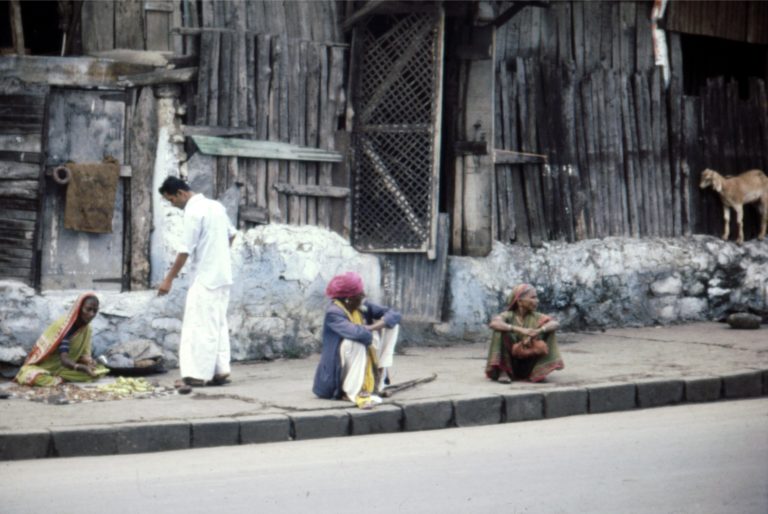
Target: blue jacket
[[337, 327]]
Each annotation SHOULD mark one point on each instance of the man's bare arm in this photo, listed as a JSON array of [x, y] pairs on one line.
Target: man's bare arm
[[165, 285]]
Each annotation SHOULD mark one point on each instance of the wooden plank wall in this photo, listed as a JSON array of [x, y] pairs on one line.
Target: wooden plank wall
[[22, 108], [274, 70], [133, 24], [738, 20], [625, 152]]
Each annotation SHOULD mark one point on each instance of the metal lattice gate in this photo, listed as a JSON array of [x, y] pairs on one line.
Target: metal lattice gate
[[397, 95]]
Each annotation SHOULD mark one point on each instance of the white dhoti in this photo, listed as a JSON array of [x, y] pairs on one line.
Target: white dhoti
[[204, 347], [354, 356]]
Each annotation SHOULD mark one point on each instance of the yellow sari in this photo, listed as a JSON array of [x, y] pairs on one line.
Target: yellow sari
[[43, 366]]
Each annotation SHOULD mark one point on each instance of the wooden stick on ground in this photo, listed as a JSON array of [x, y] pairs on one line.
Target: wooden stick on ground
[[410, 384]]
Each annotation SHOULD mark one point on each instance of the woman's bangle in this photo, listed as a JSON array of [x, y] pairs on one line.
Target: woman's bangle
[[77, 367]]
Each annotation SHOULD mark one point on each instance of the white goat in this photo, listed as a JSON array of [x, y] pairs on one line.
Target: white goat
[[750, 186]]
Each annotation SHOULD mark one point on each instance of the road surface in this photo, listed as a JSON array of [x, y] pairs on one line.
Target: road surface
[[708, 458]]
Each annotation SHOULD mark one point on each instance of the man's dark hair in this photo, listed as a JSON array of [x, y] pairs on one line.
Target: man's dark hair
[[173, 185]]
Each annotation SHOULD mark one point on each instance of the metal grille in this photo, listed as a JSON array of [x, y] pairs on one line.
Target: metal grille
[[396, 103]]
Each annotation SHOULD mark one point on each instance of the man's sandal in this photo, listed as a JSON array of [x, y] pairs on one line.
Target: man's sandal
[[181, 387], [219, 380]]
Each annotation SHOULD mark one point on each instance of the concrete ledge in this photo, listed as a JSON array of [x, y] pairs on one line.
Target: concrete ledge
[[523, 406], [318, 424], [565, 402], [478, 410], [427, 415], [703, 389], [383, 419], [154, 437], [32, 444], [655, 393], [743, 385], [265, 429], [214, 432], [84, 440], [612, 397]]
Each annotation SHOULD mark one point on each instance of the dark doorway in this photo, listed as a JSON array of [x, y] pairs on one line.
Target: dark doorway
[[40, 22], [707, 57]]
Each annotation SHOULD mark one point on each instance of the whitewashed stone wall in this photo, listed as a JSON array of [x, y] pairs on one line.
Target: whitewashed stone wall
[[613, 282], [277, 301]]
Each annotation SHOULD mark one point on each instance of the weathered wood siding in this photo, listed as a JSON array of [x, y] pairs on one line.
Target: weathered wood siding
[[275, 70], [22, 111], [133, 24], [577, 83], [740, 21]]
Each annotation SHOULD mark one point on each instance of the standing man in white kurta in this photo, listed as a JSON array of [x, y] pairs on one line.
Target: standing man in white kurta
[[204, 352]]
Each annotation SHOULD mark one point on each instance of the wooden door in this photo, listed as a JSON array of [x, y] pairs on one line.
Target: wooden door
[[398, 67], [83, 126]]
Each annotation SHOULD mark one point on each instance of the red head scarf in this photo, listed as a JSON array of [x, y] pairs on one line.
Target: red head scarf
[[346, 285], [518, 293]]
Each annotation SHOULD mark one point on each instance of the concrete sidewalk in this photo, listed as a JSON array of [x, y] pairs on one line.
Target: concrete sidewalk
[[607, 371]]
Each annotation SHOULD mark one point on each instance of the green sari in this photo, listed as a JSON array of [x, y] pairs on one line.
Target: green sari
[[43, 366], [535, 369]]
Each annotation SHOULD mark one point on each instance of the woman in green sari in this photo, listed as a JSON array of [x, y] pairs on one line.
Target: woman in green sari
[[63, 352], [524, 345]]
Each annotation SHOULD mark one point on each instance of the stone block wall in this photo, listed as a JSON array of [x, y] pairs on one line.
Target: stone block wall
[[277, 302], [613, 282]]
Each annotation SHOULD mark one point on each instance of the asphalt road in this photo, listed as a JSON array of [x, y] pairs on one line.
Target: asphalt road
[[694, 458]]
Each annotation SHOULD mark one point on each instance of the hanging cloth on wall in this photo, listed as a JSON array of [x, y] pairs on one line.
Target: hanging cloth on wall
[[91, 196]]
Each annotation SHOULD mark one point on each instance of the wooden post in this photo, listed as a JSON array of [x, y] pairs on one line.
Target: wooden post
[[142, 160], [17, 30], [479, 183]]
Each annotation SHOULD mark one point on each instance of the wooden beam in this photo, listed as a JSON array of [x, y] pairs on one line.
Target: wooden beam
[[312, 190], [182, 75], [364, 12], [510, 157], [253, 214], [389, 182], [197, 31], [67, 71], [26, 189], [18, 30], [231, 147], [31, 157], [471, 147], [516, 7], [131, 56], [207, 130], [125, 171]]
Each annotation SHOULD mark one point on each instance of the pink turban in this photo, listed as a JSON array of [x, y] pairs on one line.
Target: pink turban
[[346, 285]]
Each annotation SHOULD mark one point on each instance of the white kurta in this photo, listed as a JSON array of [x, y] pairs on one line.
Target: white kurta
[[204, 348], [354, 355]]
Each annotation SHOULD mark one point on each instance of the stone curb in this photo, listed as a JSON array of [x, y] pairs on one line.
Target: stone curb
[[394, 417]]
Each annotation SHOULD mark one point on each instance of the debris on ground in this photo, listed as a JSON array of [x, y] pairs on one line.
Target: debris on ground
[[119, 389]]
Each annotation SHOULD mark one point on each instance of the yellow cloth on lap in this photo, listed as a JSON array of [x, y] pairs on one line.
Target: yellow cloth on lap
[[369, 382]]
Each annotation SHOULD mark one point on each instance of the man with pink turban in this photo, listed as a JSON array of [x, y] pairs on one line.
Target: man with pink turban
[[359, 340]]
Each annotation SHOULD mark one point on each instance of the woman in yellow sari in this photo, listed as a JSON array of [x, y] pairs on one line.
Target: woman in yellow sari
[[524, 345], [63, 352]]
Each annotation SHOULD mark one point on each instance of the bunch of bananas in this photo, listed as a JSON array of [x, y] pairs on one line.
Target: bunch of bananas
[[126, 386]]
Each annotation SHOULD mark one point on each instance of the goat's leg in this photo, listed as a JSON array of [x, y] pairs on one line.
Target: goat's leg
[[763, 207], [726, 222], [740, 222]]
